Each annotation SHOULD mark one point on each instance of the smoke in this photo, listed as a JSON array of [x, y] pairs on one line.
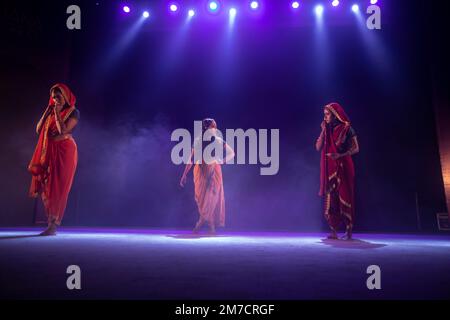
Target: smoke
[[125, 177]]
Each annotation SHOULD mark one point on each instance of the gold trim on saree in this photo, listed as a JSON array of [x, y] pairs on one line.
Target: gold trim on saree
[[334, 175], [345, 203], [347, 215], [327, 204]]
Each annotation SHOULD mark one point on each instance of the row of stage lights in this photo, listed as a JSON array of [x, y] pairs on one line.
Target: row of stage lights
[[214, 7]]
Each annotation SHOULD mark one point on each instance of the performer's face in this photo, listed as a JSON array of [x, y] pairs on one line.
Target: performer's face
[[327, 116], [58, 98]]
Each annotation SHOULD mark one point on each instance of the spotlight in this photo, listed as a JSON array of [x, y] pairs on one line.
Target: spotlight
[[191, 13], [373, 1], [126, 9], [295, 4], [319, 9], [254, 5], [355, 8], [146, 14], [173, 7], [335, 3], [233, 12], [213, 6]]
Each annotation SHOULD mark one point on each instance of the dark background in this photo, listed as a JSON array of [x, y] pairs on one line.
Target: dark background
[[275, 70]]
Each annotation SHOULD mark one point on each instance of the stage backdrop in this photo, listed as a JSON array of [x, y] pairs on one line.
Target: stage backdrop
[[138, 81]]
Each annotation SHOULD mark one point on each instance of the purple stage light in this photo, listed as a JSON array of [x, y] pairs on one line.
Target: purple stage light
[[173, 7], [355, 8], [213, 6], [191, 13], [335, 3], [126, 9], [233, 12], [373, 1], [146, 14], [254, 5], [295, 5]]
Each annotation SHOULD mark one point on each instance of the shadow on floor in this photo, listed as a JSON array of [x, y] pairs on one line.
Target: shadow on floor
[[20, 237], [352, 244]]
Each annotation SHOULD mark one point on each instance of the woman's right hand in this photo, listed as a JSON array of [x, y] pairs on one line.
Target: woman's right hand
[[323, 125], [183, 181]]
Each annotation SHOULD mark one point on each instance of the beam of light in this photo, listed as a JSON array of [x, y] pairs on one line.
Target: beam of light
[[118, 49], [373, 1], [335, 3], [146, 14], [375, 47], [169, 56], [254, 5], [323, 56], [126, 9], [319, 10], [224, 74], [232, 18], [295, 5]]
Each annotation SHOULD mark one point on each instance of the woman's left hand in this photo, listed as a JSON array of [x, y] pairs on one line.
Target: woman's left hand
[[183, 181], [334, 156]]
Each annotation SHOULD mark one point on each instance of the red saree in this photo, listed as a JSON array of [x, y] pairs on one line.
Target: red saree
[[54, 163], [337, 176]]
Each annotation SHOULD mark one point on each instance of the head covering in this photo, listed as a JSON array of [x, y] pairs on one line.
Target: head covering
[[336, 109], [209, 123], [66, 92]]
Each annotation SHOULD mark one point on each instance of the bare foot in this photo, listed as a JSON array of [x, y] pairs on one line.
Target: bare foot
[[348, 235], [332, 236], [50, 231], [198, 225]]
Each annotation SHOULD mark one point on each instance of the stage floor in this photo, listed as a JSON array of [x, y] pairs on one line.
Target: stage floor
[[171, 264]]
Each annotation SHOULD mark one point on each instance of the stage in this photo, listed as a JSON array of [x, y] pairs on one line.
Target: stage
[[173, 264]]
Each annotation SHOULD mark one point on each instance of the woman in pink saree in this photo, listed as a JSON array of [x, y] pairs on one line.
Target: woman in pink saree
[[208, 184]]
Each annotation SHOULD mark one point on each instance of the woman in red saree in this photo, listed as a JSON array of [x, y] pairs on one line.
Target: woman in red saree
[[55, 157], [208, 183], [337, 143]]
